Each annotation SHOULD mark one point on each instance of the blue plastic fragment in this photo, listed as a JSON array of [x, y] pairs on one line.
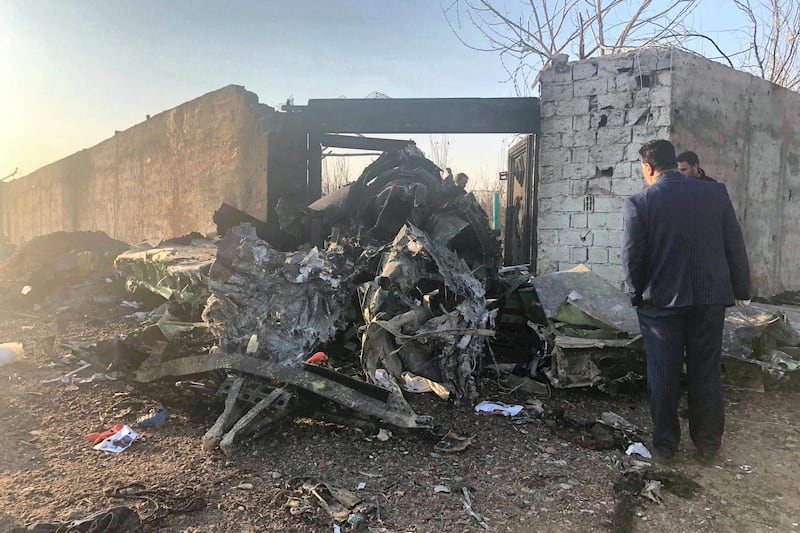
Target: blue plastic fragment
[[154, 418]]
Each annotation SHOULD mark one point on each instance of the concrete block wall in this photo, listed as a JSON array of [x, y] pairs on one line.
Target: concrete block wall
[[746, 131], [596, 114], [164, 177]]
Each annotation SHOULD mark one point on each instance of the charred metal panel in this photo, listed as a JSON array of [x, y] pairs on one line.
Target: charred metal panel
[[363, 143], [424, 115]]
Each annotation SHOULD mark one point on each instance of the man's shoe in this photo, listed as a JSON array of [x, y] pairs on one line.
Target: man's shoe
[[663, 455], [706, 457]]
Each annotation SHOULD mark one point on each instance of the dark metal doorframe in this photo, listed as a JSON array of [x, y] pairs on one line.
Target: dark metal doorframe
[[520, 238]]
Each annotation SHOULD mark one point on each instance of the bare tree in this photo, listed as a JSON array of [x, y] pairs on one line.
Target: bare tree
[[530, 35], [335, 173], [440, 150], [774, 31]]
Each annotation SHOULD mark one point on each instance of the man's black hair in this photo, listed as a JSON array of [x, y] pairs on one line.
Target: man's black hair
[[660, 154], [688, 157]]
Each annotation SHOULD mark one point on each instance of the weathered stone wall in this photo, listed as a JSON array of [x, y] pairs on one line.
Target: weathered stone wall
[[747, 134], [161, 178], [596, 114]]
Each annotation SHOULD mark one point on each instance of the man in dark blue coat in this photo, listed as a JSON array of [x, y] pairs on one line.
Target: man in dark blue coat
[[685, 262]]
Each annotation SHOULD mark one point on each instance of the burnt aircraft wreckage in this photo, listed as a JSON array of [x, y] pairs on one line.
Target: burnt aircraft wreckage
[[397, 279]]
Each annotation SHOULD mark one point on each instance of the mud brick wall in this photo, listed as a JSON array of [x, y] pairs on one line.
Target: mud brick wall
[[161, 178], [597, 113]]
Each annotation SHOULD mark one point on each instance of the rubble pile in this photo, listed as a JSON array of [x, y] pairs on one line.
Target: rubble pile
[[58, 267]]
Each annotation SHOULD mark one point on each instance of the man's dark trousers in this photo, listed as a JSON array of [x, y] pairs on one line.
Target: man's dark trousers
[[668, 334]]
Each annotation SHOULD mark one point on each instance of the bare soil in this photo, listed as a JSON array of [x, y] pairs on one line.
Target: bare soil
[[521, 478]]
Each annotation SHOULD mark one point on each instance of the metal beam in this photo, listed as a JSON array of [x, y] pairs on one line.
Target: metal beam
[[391, 407], [363, 143], [423, 115]]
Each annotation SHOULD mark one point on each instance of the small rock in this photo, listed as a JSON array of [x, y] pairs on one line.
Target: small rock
[[245, 486], [443, 489], [240, 508], [275, 475], [384, 435], [565, 486]]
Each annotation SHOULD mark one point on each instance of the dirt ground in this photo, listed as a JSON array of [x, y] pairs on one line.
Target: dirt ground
[[521, 477]]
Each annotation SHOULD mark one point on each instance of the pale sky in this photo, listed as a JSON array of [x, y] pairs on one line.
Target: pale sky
[[72, 72]]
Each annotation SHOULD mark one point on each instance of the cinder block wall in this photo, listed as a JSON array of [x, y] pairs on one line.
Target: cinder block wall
[[747, 134], [596, 114], [161, 178]]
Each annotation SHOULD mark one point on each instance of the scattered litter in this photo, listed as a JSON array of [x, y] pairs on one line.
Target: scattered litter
[[159, 501], [441, 489], [114, 519], [414, 383], [26, 290], [384, 435], [615, 421], [532, 410], [639, 465], [154, 418], [317, 359], [337, 528], [132, 305], [747, 469], [361, 486], [498, 408], [97, 376], [359, 514], [245, 486], [468, 507], [453, 442], [11, 352], [382, 379], [99, 436], [633, 485], [65, 377], [652, 491], [639, 449], [119, 441], [340, 504], [252, 344]]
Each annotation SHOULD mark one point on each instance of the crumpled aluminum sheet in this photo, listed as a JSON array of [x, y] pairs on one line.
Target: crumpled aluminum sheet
[[292, 301], [441, 342]]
